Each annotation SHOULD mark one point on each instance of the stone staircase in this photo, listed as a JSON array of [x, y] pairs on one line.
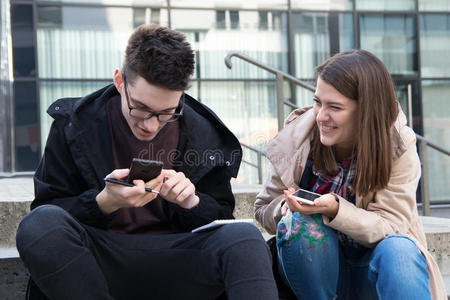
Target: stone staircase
[[17, 193]]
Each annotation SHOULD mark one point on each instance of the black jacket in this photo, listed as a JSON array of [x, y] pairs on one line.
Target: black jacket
[[78, 156]]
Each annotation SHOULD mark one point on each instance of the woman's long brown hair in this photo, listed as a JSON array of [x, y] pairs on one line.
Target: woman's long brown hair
[[361, 76]]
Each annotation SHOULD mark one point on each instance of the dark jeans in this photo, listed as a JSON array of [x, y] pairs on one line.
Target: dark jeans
[[68, 260]]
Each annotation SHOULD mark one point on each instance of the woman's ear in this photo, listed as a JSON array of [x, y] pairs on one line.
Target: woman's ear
[[118, 80]]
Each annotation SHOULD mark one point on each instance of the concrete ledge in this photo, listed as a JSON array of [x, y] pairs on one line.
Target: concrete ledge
[[13, 275], [437, 230], [16, 198]]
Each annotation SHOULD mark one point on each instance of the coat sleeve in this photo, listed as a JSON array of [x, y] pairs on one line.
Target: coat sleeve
[[268, 202], [216, 202], [58, 181], [391, 209]]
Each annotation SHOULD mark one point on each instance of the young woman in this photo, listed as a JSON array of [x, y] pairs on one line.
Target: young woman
[[362, 239]]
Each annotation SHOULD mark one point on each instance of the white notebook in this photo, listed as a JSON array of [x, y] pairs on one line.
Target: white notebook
[[217, 223]]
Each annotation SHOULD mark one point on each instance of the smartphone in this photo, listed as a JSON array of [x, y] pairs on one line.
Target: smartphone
[[144, 169], [305, 196]]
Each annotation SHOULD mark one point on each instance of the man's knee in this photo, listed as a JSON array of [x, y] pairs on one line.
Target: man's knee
[[238, 238], [240, 232], [36, 222]]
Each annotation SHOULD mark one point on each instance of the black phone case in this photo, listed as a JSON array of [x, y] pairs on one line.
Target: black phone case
[[144, 169]]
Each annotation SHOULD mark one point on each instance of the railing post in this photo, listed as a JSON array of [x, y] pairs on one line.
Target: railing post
[[424, 182], [280, 101], [260, 179], [410, 112]]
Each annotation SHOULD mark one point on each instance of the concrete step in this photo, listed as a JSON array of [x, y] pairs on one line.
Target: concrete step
[[16, 195], [437, 230]]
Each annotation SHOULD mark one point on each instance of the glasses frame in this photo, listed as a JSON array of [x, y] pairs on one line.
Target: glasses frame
[[178, 111]]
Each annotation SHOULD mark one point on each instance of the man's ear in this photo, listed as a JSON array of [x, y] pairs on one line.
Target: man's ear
[[118, 80]]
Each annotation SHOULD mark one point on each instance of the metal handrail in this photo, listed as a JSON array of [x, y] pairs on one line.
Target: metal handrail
[[4, 175], [280, 76], [433, 145], [258, 165]]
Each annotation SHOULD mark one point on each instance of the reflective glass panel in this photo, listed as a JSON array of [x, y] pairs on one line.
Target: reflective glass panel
[[304, 96], [435, 45], [215, 33], [315, 35], [249, 110], [411, 107], [23, 40], [392, 38], [87, 42], [50, 91], [436, 124], [162, 3], [434, 5], [386, 5], [26, 126], [235, 4], [322, 4]]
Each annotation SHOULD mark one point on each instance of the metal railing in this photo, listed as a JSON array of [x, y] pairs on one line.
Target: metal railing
[[281, 76]]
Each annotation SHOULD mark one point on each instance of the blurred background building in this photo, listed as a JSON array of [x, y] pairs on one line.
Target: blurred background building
[[63, 48]]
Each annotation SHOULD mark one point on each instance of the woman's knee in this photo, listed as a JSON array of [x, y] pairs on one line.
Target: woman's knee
[[398, 253], [307, 232]]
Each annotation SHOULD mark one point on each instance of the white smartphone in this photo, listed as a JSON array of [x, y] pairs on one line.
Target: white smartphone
[[305, 196]]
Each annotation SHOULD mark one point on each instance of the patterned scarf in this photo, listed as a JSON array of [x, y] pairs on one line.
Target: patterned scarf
[[339, 182]]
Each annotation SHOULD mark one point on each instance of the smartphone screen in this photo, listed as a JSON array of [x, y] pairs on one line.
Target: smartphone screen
[[305, 196], [144, 169]]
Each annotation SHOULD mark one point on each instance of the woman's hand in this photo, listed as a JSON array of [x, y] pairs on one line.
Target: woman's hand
[[325, 205]]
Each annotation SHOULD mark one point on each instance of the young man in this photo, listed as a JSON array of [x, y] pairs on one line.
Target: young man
[[87, 240]]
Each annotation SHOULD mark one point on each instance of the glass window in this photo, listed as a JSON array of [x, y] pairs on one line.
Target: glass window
[[401, 88], [436, 124], [435, 45], [249, 110], [162, 3], [23, 40], [304, 96], [237, 4], [87, 42], [193, 89], [51, 91], [322, 4], [392, 38], [26, 126], [386, 5], [313, 40], [244, 33], [435, 5]]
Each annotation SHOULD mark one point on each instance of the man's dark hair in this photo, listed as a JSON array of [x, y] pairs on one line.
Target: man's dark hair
[[161, 56]]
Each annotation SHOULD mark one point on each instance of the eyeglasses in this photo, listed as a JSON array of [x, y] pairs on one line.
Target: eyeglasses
[[144, 114]]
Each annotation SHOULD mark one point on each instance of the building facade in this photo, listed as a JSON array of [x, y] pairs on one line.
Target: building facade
[[61, 48]]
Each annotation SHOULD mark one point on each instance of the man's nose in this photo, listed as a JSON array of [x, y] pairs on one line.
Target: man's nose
[[151, 124]]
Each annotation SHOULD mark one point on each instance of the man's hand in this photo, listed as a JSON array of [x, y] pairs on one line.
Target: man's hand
[[325, 205], [178, 189], [115, 196]]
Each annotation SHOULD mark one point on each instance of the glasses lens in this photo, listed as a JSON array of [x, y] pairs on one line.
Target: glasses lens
[[140, 114], [165, 118]]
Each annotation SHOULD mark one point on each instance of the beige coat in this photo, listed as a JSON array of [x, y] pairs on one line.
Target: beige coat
[[389, 211]]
